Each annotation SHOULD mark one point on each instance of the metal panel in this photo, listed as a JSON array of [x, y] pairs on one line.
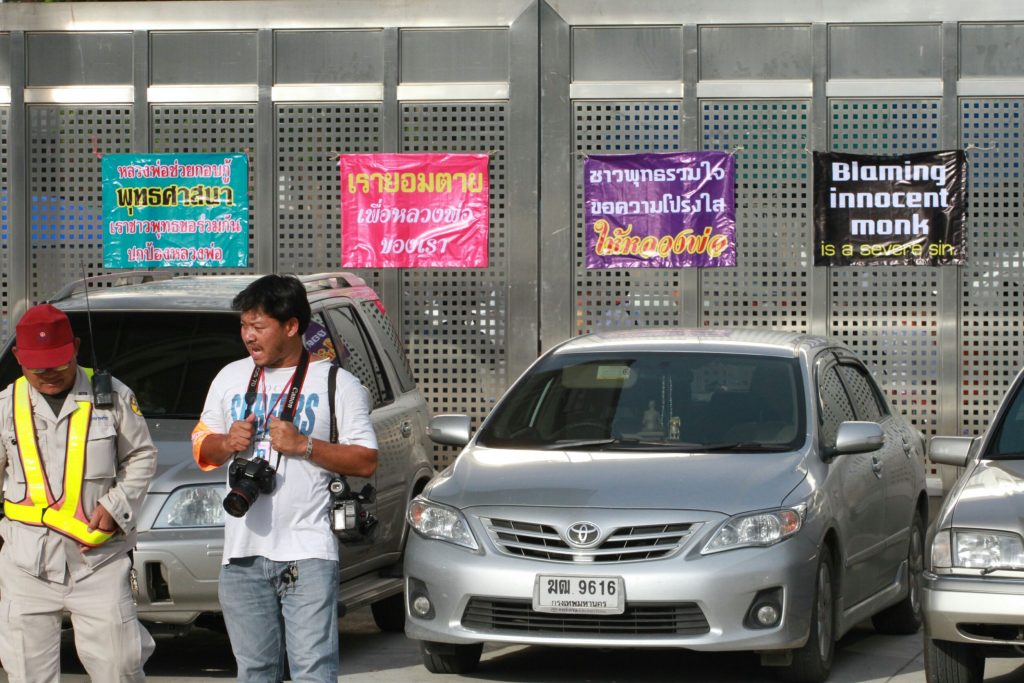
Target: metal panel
[[66, 205], [629, 53], [771, 283], [755, 52], [211, 129], [309, 138], [79, 59], [891, 315], [454, 56], [455, 322], [992, 309], [992, 50], [183, 58], [621, 298], [5, 59], [879, 51], [5, 222], [328, 57]]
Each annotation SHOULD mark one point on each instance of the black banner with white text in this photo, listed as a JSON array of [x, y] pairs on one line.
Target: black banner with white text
[[890, 210]]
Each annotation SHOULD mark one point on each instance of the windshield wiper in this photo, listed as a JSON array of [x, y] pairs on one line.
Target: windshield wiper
[[626, 445], [1002, 567], [579, 443], [754, 446]]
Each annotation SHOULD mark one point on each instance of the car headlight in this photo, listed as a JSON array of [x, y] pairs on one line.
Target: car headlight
[[977, 549], [756, 529], [192, 506], [441, 522]]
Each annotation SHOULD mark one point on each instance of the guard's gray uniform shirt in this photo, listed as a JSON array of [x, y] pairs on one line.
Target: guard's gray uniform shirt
[[120, 460]]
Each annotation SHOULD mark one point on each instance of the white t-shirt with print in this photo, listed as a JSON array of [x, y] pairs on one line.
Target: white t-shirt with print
[[292, 523]]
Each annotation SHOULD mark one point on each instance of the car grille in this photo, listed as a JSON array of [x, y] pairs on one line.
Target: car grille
[[625, 544], [684, 618]]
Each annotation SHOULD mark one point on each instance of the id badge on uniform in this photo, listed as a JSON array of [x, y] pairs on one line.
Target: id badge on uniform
[[261, 449]]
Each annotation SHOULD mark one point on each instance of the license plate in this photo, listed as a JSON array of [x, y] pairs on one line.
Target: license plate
[[579, 594]]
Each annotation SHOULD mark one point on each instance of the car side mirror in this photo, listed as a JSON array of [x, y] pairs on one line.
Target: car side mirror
[[857, 437], [449, 430], [950, 450]]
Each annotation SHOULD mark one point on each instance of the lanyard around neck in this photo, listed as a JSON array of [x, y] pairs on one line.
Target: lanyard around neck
[[294, 388]]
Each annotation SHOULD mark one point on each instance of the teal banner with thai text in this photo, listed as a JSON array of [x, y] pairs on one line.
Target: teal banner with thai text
[[175, 210]]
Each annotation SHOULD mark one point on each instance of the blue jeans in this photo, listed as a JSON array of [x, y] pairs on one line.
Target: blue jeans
[[269, 609]]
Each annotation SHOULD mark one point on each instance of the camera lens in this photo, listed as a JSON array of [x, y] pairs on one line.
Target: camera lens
[[237, 503]]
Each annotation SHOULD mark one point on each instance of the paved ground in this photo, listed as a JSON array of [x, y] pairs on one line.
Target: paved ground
[[369, 656]]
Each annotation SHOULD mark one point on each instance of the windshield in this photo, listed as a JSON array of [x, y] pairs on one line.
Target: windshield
[[1008, 442], [168, 359], [653, 401]]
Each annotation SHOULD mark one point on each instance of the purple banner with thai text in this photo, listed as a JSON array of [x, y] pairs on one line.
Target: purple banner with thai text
[[674, 210]]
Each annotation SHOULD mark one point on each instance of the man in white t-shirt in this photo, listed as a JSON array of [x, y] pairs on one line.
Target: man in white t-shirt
[[279, 578]]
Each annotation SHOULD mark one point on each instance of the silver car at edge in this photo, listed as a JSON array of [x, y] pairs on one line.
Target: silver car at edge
[[167, 338], [703, 489], [973, 587]]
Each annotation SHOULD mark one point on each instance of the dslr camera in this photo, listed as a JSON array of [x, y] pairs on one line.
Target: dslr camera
[[248, 479], [350, 521]]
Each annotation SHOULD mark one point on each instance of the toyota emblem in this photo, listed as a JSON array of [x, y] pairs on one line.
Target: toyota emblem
[[582, 534]]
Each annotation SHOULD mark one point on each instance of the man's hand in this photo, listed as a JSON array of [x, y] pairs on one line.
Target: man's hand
[[239, 436], [285, 438], [102, 520]]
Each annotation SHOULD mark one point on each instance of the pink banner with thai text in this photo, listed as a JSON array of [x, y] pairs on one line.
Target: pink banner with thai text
[[414, 210]]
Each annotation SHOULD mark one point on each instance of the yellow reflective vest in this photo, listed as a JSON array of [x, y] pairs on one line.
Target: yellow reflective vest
[[39, 508]]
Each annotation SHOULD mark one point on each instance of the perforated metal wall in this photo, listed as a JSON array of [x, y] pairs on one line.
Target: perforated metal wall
[[991, 305], [65, 189], [210, 128], [309, 139], [5, 222], [890, 315], [621, 298], [770, 284], [455, 322]]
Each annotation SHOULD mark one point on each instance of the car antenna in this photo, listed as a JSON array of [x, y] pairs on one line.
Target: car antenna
[[102, 386]]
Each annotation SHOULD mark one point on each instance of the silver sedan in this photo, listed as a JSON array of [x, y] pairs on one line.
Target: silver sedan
[[705, 489], [974, 584]]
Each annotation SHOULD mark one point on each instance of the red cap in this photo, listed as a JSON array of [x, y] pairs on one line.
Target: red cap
[[44, 338]]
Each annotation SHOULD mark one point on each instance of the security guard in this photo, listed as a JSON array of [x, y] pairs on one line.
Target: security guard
[[75, 474]]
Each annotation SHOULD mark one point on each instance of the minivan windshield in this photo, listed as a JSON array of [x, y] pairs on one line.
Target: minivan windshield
[[1008, 441], [653, 401], [168, 358]]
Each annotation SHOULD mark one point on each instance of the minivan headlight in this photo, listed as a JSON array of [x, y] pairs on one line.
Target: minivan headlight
[[756, 529], [977, 549], [192, 506], [433, 520]]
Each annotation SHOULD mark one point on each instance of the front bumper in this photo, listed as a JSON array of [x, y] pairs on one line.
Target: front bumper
[[177, 573], [965, 609], [723, 587]]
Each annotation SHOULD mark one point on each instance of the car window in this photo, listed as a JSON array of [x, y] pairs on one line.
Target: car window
[[835, 404], [376, 317], [864, 395], [167, 358], [1008, 439], [358, 355], [640, 399]]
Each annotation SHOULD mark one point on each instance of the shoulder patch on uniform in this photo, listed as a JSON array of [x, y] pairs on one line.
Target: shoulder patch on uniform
[[135, 406]]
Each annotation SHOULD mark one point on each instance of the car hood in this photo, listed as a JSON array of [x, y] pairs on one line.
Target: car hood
[[175, 466], [723, 482], [992, 497]]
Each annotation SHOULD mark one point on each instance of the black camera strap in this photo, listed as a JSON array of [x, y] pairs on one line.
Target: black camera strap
[[332, 384], [292, 399]]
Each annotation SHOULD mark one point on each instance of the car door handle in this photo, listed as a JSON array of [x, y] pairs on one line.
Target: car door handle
[[406, 428], [876, 467]]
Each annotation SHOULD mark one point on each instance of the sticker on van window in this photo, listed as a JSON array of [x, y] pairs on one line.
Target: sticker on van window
[[318, 342], [615, 373]]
